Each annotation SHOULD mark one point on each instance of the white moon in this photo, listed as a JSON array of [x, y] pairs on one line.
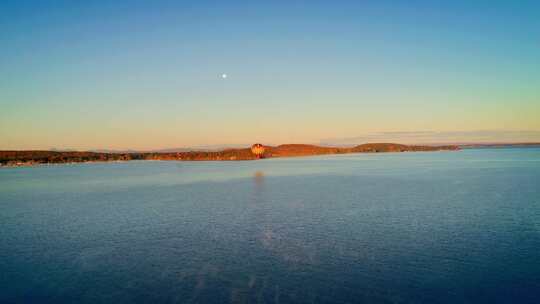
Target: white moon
[[223, 76]]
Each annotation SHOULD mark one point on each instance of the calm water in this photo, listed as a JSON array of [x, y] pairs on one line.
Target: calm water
[[443, 227]]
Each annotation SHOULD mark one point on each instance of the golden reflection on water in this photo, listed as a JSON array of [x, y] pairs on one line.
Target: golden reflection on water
[[258, 178]]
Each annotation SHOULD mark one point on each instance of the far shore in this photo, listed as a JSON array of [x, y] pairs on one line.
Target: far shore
[[42, 157], [33, 157]]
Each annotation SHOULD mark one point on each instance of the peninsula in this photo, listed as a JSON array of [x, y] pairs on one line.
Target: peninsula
[[34, 157]]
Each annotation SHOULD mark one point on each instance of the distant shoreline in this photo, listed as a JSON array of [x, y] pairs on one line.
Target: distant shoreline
[[42, 157], [35, 157], [500, 145]]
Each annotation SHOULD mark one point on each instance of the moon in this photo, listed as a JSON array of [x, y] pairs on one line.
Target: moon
[[223, 76]]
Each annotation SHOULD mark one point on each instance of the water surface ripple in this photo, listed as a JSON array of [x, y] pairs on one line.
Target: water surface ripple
[[434, 227]]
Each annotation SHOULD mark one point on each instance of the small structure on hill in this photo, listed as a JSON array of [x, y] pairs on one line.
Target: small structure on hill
[[258, 150]]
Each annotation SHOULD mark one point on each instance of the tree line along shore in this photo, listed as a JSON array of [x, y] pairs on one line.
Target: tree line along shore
[[32, 157]]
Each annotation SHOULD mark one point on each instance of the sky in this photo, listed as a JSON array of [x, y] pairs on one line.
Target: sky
[[148, 74]]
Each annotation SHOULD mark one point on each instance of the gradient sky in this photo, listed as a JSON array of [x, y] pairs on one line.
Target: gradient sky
[[147, 74]]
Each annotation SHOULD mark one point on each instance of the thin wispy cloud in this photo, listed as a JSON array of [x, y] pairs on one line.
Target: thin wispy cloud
[[431, 137]]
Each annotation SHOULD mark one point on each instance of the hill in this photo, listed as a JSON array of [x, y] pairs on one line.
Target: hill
[[25, 158]]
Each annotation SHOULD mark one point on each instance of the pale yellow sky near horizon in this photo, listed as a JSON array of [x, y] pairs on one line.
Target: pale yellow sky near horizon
[[109, 125]]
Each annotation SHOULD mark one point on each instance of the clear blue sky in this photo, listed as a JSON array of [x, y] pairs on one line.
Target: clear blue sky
[[147, 74]]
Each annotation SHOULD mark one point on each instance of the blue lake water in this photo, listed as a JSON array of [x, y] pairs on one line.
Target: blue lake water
[[428, 227]]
